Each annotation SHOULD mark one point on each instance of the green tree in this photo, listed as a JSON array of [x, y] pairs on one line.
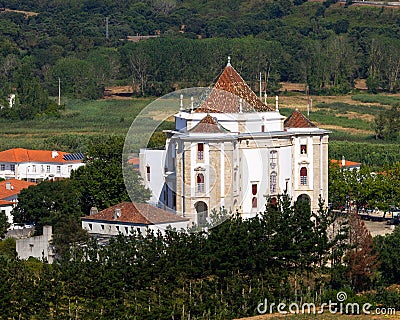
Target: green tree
[[100, 182], [49, 202], [388, 248], [7, 248], [4, 225]]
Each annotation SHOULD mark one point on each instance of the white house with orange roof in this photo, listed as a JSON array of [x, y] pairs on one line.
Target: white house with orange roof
[[233, 150], [126, 218], [9, 191], [38, 165], [346, 164]]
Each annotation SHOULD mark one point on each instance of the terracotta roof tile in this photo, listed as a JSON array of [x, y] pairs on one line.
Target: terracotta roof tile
[[15, 187], [6, 203], [298, 120], [19, 155], [208, 125], [227, 91], [136, 213], [347, 163]]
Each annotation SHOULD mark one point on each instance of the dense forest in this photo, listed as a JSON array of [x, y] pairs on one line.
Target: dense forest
[[326, 45], [286, 254]]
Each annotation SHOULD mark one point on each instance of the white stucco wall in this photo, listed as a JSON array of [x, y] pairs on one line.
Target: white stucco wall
[[38, 170], [114, 228], [155, 159], [39, 247]]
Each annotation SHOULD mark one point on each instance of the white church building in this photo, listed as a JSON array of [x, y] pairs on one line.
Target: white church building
[[232, 150]]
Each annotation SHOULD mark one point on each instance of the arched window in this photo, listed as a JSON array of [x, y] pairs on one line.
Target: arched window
[[200, 182], [273, 201], [202, 212], [254, 203], [272, 182], [303, 176]]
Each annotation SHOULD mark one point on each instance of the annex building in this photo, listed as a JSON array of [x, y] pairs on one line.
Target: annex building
[[38, 165], [233, 150]]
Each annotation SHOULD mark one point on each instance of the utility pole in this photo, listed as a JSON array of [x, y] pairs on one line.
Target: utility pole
[[107, 28], [59, 91], [308, 101]]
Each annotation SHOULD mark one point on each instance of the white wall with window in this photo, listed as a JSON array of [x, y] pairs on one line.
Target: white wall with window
[[36, 171], [152, 175]]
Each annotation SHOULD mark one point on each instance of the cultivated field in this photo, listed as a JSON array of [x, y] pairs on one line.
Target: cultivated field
[[348, 117]]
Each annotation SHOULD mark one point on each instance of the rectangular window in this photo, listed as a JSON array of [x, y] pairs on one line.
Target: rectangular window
[[58, 169], [2, 167], [102, 227], [48, 169], [90, 226], [303, 149], [69, 168], [148, 173], [254, 189], [272, 159], [12, 167], [126, 230], [262, 128], [33, 168], [117, 228], [200, 151], [272, 182]]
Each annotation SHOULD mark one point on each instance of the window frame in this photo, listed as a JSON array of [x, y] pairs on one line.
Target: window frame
[[200, 183], [303, 176], [273, 185], [200, 151]]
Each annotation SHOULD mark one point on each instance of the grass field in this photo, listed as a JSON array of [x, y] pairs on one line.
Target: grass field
[[79, 119], [348, 117]]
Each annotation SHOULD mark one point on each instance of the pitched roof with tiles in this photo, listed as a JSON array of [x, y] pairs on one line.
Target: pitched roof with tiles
[[347, 163], [208, 125], [298, 120], [226, 93], [11, 187], [136, 213], [5, 203], [19, 155]]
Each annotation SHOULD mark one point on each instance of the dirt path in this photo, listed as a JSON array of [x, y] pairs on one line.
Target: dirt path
[[27, 14]]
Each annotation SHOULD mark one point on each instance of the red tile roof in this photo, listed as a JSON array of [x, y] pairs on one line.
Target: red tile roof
[[5, 203], [136, 213], [298, 120], [208, 125], [347, 163], [227, 91], [19, 155], [134, 161], [15, 187]]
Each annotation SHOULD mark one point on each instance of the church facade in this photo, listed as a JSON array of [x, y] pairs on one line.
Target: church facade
[[234, 151]]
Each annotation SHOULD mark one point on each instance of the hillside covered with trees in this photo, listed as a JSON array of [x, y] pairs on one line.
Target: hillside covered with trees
[[324, 44]]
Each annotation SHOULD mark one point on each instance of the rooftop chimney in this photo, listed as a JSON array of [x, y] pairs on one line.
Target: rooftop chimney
[[343, 161], [8, 185], [54, 154], [93, 210], [117, 213]]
